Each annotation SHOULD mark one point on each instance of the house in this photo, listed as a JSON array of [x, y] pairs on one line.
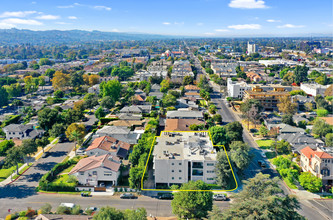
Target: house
[[181, 124], [108, 145], [20, 131], [127, 123], [158, 95], [180, 70], [155, 88], [195, 95], [297, 119], [267, 99], [254, 76], [319, 163], [192, 88], [94, 170], [302, 100], [224, 68], [94, 89], [186, 103], [118, 132], [298, 141], [328, 120], [136, 109], [183, 156], [129, 116], [184, 114]]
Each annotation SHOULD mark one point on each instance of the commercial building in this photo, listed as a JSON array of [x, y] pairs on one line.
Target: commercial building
[[236, 89], [267, 99], [183, 156], [251, 48], [313, 89]]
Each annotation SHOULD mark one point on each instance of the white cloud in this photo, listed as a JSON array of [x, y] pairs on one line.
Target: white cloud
[[72, 17], [19, 14], [272, 20], [114, 30], [101, 7], [70, 6], [4, 25], [291, 26], [21, 21], [61, 23], [221, 30], [179, 23], [247, 4], [245, 26], [210, 34], [48, 17], [200, 24], [166, 23]]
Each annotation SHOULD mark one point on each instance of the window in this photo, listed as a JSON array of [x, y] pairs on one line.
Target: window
[[94, 172], [173, 171], [180, 164], [172, 164], [81, 173], [210, 178], [180, 171], [210, 164], [210, 171], [107, 173], [180, 178], [172, 178]]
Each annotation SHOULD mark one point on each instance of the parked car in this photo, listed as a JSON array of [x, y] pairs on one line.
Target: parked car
[[219, 197], [85, 194], [68, 205], [127, 196], [94, 209], [263, 154], [62, 139], [46, 154], [166, 196], [262, 163]]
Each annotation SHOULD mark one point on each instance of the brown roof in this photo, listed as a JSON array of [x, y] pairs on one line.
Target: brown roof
[[125, 123], [309, 153], [139, 98], [62, 217], [93, 162], [328, 120], [191, 87], [192, 93], [108, 144], [181, 124]]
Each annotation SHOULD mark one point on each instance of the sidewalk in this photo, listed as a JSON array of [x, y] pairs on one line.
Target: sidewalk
[[36, 157]]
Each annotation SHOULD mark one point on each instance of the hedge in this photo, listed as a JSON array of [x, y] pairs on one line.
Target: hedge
[[14, 119], [45, 183]]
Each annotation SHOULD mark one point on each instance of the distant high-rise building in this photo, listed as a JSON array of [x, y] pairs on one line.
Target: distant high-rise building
[[251, 48]]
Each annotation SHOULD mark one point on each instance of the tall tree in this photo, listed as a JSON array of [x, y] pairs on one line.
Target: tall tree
[[224, 177], [286, 106], [14, 156], [3, 97], [192, 204], [251, 110], [321, 128], [240, 154], [47, 118], [43, 142], [111, 88], [234, 131], [75, 132], [219, 136], [60, 80]]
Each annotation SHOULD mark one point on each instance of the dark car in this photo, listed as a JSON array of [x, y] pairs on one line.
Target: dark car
[[62, 139], [262, 163], [46, 154], [127, 196], [166, 196], [85, 194]]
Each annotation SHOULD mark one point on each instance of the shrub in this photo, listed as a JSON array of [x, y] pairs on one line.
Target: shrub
[[22, 213], [76, 210], [63, 210], [30, 213], [310, 182], [46, 208]]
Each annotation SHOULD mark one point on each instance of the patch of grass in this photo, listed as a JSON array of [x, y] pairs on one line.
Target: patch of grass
[[289, 184], [51, 139], [71, 193], [5, 173], [270, 155], [327, 197], [63, 180], [265, 143], [24, 169], [68, 169]]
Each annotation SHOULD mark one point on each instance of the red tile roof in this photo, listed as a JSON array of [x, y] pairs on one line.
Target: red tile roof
[[89, 163], [309, 153], [108, 144]]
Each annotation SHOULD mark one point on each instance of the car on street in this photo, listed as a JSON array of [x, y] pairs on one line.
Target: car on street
[[93, 209], [68, 205], [62, 139], [46, 154], [219, 197], [263, 154], [127, 196], [262, 163], [166, 196]]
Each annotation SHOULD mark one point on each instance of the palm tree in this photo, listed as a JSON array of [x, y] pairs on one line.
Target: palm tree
[[76, 136]]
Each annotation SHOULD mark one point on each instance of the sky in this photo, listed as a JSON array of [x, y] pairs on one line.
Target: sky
[[207, 18]]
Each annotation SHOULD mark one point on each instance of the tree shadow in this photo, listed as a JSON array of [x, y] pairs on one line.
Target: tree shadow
[[58, 154], [17, 191], [45, 166]]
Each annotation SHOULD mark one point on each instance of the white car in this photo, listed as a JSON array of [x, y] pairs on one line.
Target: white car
[[69, 205], [263, 154]]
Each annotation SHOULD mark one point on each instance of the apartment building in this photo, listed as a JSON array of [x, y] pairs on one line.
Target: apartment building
[[314, 89], [183, 156], [268, 99], [180, 70], [251, 48], [236, 89], [225, 69], [319, 163]]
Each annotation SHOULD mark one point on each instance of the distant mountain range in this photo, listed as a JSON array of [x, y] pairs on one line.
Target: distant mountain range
[[16, 36]]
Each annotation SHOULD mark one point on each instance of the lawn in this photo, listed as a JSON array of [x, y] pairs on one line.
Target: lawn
[[265, 144], [5, 173], [63, 180], [66, 171], [51, 139]]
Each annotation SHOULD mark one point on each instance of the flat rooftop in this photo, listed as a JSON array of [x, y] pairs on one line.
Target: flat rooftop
[[184, 146]]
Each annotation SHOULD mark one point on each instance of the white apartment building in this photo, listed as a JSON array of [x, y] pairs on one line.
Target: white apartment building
[[183, 156], [236, 89], [314, 89], [251, 48]]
